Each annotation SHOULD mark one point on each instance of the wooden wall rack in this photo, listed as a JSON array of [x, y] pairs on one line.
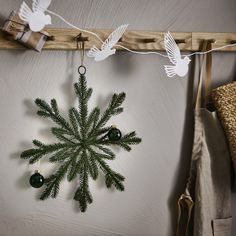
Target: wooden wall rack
[[65, 39]]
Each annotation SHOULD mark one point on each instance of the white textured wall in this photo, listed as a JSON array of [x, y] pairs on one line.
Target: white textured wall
[[159, 109]]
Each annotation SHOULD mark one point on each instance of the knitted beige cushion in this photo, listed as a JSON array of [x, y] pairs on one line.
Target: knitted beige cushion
[[224, 99]]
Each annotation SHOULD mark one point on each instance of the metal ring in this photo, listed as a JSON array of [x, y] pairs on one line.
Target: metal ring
[[83, 68]]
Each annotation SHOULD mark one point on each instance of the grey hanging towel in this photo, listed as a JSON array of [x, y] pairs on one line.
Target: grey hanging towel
[[207, 197]]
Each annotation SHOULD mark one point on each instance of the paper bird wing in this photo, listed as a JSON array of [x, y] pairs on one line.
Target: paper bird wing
[[40, 5], [24, 12], [114, 37], [172, 49], [93, 52]]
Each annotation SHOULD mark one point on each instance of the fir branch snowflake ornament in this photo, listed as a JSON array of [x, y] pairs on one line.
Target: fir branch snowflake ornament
[[83, 144]]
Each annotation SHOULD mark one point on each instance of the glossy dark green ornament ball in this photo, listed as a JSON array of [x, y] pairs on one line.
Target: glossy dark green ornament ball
[[114, 134], [36, 180]]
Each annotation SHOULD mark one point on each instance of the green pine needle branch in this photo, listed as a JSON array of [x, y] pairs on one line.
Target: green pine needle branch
[[81, 149]]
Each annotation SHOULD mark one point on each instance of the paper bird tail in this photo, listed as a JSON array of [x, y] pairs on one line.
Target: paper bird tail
[[170, 70]]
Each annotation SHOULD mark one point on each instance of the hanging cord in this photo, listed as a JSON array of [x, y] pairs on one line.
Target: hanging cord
[[137, 52], [141, 53], [97, 36], [82, 53], [73, 26], [38, 166], [80, 47], [211, 50]]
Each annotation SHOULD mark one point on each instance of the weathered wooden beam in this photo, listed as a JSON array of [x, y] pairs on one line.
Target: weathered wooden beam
[[65, 39]]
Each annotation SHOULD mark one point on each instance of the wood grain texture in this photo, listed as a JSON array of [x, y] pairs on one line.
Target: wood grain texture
[[221, 39], [64, 39]]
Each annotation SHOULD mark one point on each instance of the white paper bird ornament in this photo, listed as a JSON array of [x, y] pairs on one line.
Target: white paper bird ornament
[[107, 46], [180, 65], [36, 18]]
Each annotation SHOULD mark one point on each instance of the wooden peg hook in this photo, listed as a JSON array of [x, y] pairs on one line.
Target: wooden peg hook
[[80, 38], [179, 41]]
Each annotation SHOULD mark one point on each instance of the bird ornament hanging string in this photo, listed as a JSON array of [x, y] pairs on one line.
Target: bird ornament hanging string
[[37, 20]]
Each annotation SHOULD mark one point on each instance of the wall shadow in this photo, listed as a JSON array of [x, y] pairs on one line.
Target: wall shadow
[[2, 20], [182, 170], [67, 86], [123, 63]]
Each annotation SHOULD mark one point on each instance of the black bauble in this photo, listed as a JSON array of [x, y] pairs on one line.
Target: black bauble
[[114, 134], [36, 180]]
